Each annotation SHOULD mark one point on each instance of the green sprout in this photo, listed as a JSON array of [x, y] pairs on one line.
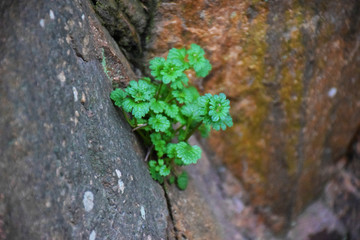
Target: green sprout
[[166, 112]]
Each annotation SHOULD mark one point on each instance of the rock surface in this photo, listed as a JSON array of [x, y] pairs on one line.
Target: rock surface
[[291, 71], [70, 166]]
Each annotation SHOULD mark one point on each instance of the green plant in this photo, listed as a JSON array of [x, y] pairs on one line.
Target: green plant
[[166, 111]]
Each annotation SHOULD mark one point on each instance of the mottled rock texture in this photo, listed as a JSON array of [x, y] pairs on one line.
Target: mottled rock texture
[[291, 69], [70, 166], [128, 22]]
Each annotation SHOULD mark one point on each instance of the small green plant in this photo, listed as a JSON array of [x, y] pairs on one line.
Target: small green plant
[[165, 111]]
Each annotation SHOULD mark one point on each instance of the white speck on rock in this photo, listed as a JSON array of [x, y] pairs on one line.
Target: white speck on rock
[[92, 235], [42, 23], [83, 17], [88, 201], [52, 16], [75, 94], [121, 186], [142, 211], [118, 173], [62, 78], [332, 92]]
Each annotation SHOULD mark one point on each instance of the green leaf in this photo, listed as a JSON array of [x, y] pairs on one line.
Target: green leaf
[[171, 150], [172, 179], [182, 180], [156, 175], [161, 162], [179, 162], [164, 170], [171, 71], [204, 130], [178, 56], [216, 111], [128, 104], [189, 110], [188, 154], [157, 105], [159, 123], [159, 143], [171, 110], [156, 66], [195, 53], [202, 67], [152, 163], [141, 90], [219, 107], [118, 96], [140, 109]]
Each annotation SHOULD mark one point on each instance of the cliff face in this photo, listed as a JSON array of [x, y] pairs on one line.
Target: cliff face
[[291, 71], [71, 168]]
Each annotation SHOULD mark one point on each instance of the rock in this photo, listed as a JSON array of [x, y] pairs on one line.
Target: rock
[[291, 71], [316, 222], [214, 206], [127, 22], [71, 168]]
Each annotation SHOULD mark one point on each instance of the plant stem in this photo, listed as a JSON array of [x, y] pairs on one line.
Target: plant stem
[[158, 93], [192, 131], [148, 153], [168, 101], [139, 126], [176, 130]]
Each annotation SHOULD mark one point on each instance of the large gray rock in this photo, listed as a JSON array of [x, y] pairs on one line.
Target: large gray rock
[[70, 166]]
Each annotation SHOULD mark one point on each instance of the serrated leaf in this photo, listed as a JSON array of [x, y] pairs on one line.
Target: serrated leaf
[[195, 53], [156, 66], [171, 71], [159, 123], [188, 154], [156, 176], [118, 96], [128, 104], [202, 68], [157, 105], [141, 90], [180, 82], [164, 170], [182, 180], [178, 56], [140, 109], [152, 163], [159, 143], [171, 150], [171, 110]]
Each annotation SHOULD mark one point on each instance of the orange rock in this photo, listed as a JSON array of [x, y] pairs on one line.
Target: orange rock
[[292, 73]]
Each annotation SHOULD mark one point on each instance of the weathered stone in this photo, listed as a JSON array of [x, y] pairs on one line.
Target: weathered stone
[[213, 206], [126, 21], [70, 166], [291, 71]]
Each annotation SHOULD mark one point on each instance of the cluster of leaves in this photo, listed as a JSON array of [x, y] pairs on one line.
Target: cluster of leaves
[[166, 111]]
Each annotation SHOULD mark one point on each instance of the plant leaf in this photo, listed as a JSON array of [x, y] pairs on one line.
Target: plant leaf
[[157, 105], [182, 180], [164, 170], [159, 123], [118, 96], [188, 154], [156, 66]]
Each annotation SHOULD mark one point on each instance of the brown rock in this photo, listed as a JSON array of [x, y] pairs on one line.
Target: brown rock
[[291, 71]]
